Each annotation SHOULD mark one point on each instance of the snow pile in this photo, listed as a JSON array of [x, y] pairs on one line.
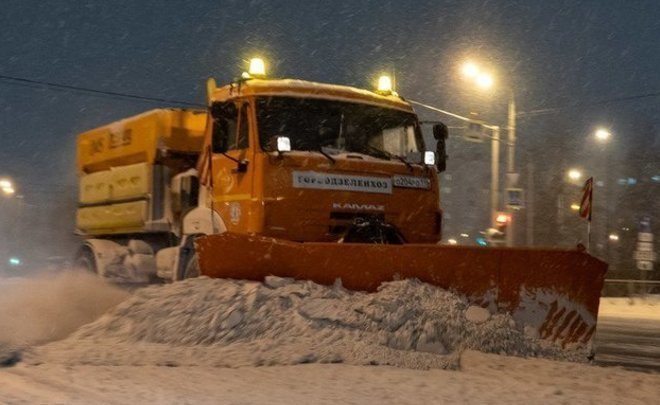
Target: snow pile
[[238, 323]]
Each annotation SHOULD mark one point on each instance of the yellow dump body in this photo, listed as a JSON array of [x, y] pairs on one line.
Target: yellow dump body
[[122, 169], [137, 139]]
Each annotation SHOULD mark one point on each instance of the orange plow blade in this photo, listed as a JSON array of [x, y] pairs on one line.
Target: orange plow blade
[[555, 291]]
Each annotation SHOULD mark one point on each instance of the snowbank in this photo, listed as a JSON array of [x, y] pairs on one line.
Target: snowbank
[[280, 322], [638, 307]]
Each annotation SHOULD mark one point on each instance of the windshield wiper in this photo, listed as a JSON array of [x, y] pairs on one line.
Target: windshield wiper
[[330, 158], [389, 155]]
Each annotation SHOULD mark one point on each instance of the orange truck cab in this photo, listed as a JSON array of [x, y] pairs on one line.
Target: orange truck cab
[[304, 161]]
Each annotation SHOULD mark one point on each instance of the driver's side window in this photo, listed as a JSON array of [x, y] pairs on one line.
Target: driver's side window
[[225, 124], [243, 140]]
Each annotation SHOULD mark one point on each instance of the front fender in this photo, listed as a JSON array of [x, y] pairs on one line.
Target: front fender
[[202, 221]]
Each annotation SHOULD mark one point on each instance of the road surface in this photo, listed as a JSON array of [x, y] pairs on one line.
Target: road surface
[[628, 333]]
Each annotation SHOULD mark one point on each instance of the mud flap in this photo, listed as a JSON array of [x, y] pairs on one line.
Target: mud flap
[[557, 292]]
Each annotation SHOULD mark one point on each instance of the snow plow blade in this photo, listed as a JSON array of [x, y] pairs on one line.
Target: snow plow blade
[[557, 292]]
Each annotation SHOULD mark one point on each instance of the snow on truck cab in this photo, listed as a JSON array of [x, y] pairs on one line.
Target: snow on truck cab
[[305, 180]]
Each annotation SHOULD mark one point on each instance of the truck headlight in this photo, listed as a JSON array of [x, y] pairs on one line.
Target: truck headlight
[[429, 158], [283, 144]]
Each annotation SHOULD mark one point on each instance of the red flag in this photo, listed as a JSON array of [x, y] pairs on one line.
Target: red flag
[[587, 198]]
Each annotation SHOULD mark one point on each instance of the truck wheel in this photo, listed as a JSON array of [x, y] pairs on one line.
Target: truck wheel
[[192, 268], [85, 260]]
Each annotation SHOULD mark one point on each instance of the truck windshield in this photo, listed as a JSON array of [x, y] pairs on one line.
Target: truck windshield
[[336, 127]]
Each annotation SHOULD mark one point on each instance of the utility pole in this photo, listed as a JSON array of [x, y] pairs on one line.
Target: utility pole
[[511, 163], [484, 80], [529, 206], [495, 176]]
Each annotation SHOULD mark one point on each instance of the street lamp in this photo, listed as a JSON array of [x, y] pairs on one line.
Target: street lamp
[[485, 81], [482, 79], [470, 70], [7, 187], [602, 135], [574, 174]]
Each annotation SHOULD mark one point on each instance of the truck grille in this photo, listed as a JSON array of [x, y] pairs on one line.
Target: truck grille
[[350, 216], [346, 218]]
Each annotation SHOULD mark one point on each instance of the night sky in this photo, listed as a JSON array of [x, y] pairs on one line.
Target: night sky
[[560, 53]]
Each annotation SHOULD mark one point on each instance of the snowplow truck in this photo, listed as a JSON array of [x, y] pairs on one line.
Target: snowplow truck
[[306, 180]]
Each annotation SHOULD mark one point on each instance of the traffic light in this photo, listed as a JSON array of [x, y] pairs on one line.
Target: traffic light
[[502, 220], [497, 234]]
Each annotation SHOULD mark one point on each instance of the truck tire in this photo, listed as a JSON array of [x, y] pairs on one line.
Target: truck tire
[[192, 268], [85, 260], [189, 266]]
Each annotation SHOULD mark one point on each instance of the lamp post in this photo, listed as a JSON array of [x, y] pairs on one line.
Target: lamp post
[[494, 175], [603, 136], [484, 80], [7, 190], [511, 160], [574, 175], [511, 144]]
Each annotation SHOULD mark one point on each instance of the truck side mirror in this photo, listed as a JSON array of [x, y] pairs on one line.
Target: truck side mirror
[[441, 133]]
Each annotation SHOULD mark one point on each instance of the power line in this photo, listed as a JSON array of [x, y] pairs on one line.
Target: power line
[[544, 111], [20, 81]]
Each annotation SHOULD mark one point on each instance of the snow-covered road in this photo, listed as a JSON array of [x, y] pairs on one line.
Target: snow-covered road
[[629, 333], [482, 378], [119, 359]]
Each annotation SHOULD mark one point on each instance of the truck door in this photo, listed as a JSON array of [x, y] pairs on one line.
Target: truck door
[[233, 171]]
